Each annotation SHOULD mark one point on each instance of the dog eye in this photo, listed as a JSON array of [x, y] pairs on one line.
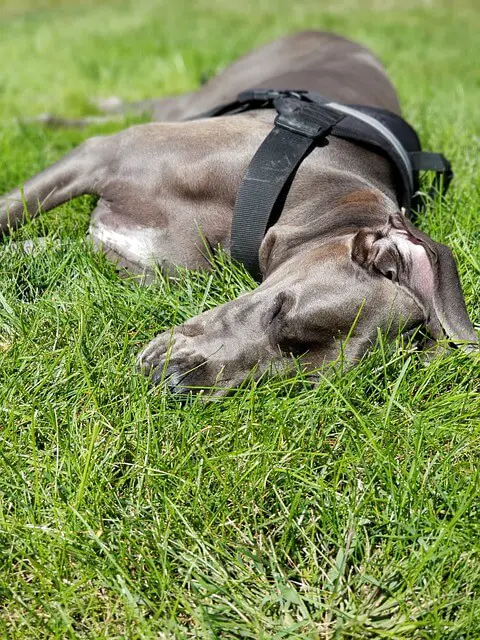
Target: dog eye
[[297, 348], [386, 272]]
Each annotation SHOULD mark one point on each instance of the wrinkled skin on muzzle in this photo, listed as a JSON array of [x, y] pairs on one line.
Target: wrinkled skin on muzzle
[[327, 301]]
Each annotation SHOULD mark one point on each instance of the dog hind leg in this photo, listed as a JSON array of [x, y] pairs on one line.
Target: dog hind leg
[[78, 173], [168, 109]]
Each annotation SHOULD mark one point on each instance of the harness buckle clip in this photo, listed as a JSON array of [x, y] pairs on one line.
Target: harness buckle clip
[[257, 95], [269, 95], [308, 119]]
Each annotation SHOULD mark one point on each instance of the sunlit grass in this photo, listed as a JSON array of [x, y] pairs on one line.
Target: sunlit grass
[[348, 510]]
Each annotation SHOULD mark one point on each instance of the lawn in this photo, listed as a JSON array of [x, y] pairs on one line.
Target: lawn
[[349, 510]]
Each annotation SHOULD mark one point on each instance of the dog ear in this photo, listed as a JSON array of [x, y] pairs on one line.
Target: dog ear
[[427, 269]]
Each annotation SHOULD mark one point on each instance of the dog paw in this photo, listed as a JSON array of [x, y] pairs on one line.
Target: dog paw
[[174, 359]]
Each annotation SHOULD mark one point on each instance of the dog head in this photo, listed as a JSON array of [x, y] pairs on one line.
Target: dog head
[[330, 299]]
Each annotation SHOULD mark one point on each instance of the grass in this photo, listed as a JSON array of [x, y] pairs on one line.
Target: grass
[[346, 511]]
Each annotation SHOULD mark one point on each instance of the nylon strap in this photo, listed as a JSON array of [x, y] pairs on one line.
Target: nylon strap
[[383, 130], [305, 119], [299, 127], [429, 161]]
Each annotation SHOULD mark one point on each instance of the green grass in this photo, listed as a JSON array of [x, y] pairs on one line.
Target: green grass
[[346, 511]]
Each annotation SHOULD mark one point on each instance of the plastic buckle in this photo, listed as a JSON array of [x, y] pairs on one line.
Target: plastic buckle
[[257, 95], [308, 119], [268, 95]]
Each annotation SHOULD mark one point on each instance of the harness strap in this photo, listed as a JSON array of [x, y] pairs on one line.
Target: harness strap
[[429, 161], [299, 127], [383, 130], [305, 119]]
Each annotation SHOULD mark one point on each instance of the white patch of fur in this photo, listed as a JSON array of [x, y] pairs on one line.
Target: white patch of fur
[[137, 244]]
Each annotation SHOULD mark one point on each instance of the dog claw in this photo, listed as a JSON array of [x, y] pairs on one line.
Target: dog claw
[[154, 352], [172, 360]]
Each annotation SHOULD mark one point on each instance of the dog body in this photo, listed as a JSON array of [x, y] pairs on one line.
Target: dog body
[[341, 260], [205, 160]]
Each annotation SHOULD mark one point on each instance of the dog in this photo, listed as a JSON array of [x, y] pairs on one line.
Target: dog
[[340, 263]]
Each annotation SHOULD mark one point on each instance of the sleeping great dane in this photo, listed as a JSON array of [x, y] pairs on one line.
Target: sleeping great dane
[[341, 262]]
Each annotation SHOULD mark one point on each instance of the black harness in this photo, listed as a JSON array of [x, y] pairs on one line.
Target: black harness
[[304, 121]]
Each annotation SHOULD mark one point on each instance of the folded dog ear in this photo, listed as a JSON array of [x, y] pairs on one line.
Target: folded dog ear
[[426, 268]]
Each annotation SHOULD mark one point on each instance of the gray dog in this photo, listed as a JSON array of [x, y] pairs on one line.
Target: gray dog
[[341, 262]]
